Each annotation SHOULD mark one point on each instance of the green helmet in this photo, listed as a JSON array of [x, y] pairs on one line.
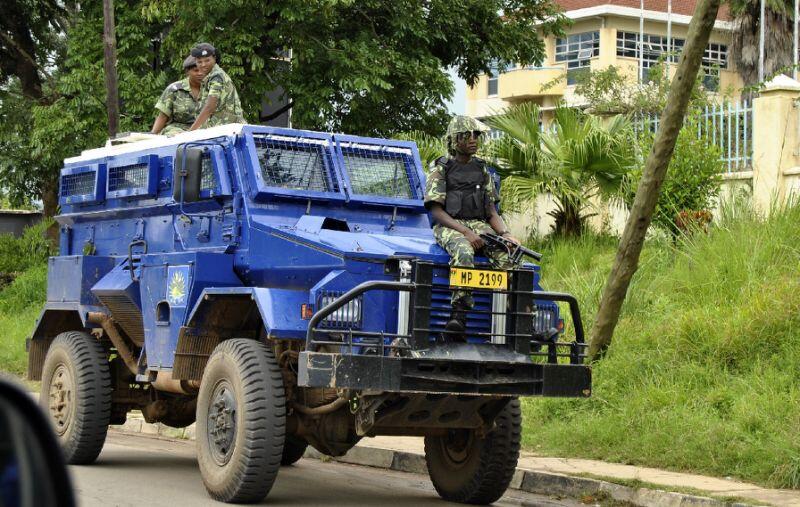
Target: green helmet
[[462, 123]]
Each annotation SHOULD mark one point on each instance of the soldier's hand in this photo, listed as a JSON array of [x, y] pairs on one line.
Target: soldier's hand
[[512, 239], [474, 240]]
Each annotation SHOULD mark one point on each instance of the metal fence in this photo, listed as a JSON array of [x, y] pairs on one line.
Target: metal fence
[[727, 126]]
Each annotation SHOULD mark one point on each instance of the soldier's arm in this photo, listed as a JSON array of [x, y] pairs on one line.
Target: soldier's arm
[[496, 222], [160, 123], [205, 114], [215, 88]]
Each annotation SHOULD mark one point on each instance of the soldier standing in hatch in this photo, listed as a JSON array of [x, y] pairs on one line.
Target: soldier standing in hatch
[[218, 94], [180, 102], [461, 197]]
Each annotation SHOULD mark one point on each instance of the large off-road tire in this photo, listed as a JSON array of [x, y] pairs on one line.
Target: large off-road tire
[[293, 449], [467, 469], [76, 395], [241, 421]]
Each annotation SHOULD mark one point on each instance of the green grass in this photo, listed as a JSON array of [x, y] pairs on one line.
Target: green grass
[[20, 305], [703, 372]]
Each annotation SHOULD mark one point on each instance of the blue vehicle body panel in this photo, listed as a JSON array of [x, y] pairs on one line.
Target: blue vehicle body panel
[[286, 218]]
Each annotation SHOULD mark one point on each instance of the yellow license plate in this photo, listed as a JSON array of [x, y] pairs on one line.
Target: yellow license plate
[[478, 278]]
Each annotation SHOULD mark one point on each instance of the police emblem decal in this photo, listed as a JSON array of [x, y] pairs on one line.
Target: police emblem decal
[[177, 285]]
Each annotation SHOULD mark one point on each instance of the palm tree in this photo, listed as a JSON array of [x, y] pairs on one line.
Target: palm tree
[[777, 40], [581, 156], [429, 147]]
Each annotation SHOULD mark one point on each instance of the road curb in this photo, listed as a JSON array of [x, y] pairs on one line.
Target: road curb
[[534, 481], [531, 481]]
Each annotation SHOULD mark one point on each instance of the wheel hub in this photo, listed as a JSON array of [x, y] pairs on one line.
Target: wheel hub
[[457, 445], [221, 425], [60, 398]]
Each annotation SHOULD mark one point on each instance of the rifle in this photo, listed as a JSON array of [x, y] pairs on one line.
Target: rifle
[[514, 251]]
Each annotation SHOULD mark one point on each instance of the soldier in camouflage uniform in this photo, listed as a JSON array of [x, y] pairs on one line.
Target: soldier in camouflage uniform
[[180, 102], [461, 196], [220, 100]]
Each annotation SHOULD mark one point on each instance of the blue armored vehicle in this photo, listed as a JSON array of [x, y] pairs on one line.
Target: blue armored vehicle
[[283, 288]]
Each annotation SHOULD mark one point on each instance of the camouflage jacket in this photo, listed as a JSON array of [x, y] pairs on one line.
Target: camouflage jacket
[[218, 84], [177, 102], [436, 183]]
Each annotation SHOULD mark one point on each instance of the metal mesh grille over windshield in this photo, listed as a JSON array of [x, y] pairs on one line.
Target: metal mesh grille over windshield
[[127, 177], [379, 171], [77, 184], [294, 165]]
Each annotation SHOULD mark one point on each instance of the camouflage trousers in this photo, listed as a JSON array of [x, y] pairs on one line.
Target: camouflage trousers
[[463, 255], [175, 128]]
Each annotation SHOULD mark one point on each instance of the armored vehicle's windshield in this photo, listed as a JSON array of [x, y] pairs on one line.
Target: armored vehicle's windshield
[[383, 173], [287, 163]]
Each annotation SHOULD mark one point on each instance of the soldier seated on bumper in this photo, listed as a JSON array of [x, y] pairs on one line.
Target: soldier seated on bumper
[[461, 196], [180, 102]]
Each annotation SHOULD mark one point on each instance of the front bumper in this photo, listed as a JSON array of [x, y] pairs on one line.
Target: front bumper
[[466, 369], [513, 361]]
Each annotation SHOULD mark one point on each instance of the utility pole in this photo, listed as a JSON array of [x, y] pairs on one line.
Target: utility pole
[[110, 67], [669, 35], [630, 247], [641, 41], [761, 22], [795, 45]]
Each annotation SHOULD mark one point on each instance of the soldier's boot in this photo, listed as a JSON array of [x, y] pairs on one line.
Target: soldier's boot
[[457, 325]]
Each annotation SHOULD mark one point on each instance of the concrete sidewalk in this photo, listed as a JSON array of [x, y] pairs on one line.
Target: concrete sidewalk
[[626, 474], [583, 479]]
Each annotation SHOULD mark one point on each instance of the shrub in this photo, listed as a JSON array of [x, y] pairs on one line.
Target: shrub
[[692, 183], [32, 249]]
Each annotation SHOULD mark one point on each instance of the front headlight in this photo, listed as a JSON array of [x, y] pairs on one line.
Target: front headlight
[[348, 316]]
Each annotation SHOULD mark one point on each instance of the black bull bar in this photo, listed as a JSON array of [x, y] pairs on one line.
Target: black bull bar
[[520, 361]]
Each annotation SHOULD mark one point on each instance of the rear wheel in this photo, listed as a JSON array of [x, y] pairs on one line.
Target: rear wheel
[[241, 420], [76, 395], [293, 449], [466, 468]]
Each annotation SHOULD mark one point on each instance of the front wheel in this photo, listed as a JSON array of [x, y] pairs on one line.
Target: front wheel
[[468, 469], [241, 420], [76, 394]]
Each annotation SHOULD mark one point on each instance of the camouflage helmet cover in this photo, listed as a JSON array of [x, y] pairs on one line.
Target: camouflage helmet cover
[[462, 123]]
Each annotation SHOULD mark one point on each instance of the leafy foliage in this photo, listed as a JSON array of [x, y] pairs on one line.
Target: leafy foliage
[[693, 178], [579, 158], [608, 91], [430, 147], [35, 244]]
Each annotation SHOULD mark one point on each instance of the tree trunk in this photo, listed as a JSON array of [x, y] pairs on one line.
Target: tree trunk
[[630, 247], [110, 67], [50, 197]]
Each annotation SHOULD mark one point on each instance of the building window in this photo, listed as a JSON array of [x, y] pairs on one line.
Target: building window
[[492, 83], [577, 51], [494, 72], [654, 49]]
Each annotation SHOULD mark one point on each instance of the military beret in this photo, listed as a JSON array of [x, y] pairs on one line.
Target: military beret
[[204, 49], [189, 63]]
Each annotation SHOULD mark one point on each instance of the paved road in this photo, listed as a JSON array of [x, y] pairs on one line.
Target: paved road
[[140, 470]]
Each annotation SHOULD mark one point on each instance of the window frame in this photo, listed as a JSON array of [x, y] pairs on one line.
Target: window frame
[[416, 180], [151, 187], [568, 52], [261, 191], [94, 197]]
